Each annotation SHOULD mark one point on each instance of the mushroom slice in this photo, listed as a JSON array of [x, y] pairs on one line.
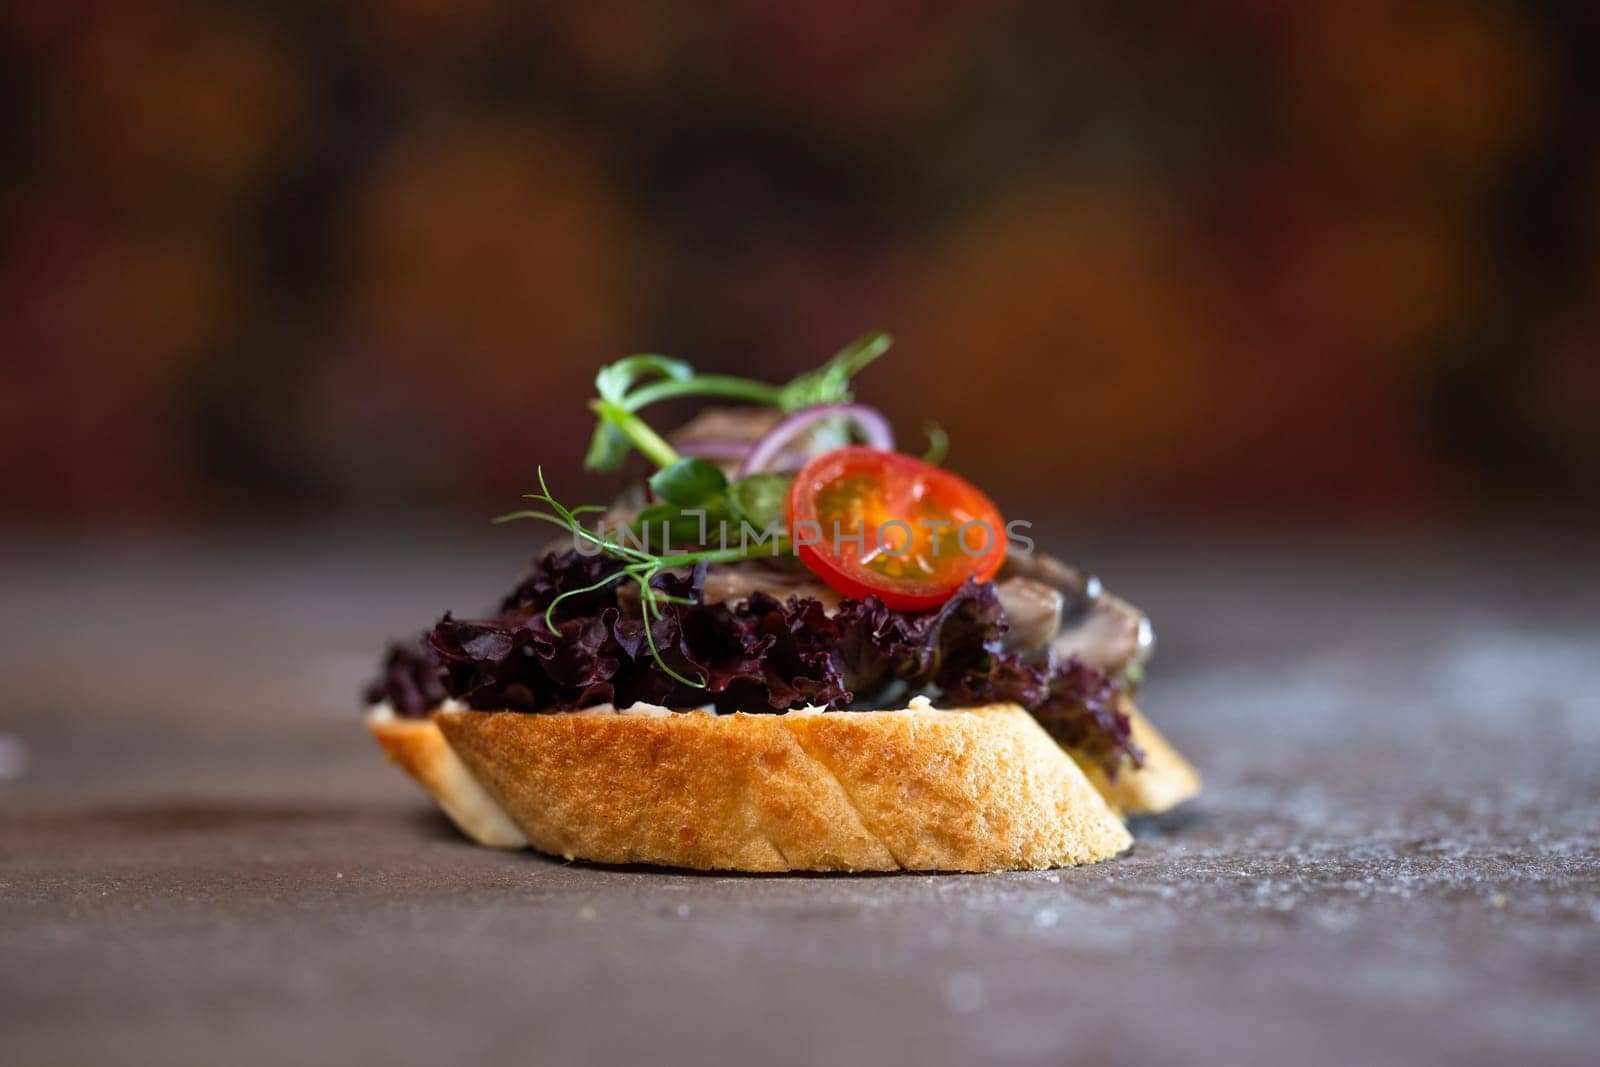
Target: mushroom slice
[[1112, 636], [739, 580], [1099, 628], [745, 425], [1033, 613], [1078, 589]]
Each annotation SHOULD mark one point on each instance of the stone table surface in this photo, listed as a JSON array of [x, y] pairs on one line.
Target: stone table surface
[[203, 860]]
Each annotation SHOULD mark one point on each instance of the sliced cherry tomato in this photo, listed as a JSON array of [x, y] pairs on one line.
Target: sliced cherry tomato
[[869, 521]]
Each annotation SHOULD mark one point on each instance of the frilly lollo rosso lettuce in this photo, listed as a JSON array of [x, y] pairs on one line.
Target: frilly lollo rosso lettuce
[[410, 680], [758, 654]]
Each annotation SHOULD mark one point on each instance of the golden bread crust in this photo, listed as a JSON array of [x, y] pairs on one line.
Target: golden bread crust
[[423, 753], [979, 789], [1165, 781]]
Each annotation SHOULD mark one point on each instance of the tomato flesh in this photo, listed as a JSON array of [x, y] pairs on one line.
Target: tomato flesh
[[868, 521]]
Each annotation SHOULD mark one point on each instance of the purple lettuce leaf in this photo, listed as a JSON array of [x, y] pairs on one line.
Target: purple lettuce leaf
[[757, 654], [410, 679]]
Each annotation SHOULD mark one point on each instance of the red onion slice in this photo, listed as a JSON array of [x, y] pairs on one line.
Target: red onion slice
[[873, 426]]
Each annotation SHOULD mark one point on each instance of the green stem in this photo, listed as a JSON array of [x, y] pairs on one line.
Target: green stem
[[775, 547], [641, 567], [655, 653], [550, 612], [650, 444], [723, 385]]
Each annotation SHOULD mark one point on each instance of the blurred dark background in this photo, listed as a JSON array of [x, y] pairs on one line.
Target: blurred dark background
[[1231, 260]]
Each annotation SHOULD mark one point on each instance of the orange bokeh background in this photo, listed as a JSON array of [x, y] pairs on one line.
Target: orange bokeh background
[[1332, 262]]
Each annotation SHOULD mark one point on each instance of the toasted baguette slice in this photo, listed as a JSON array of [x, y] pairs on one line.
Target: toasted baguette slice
[[980, 789], [976, 790], [1165, 781], [423, 753]]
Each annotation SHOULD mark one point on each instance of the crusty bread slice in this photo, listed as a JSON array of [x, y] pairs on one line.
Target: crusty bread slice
[[978, 789], [1165, 781], [982, 789], [918, 789], [423, 753]]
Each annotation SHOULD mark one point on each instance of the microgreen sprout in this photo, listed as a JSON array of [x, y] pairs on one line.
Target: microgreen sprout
[[638, 564], [633, 383]]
